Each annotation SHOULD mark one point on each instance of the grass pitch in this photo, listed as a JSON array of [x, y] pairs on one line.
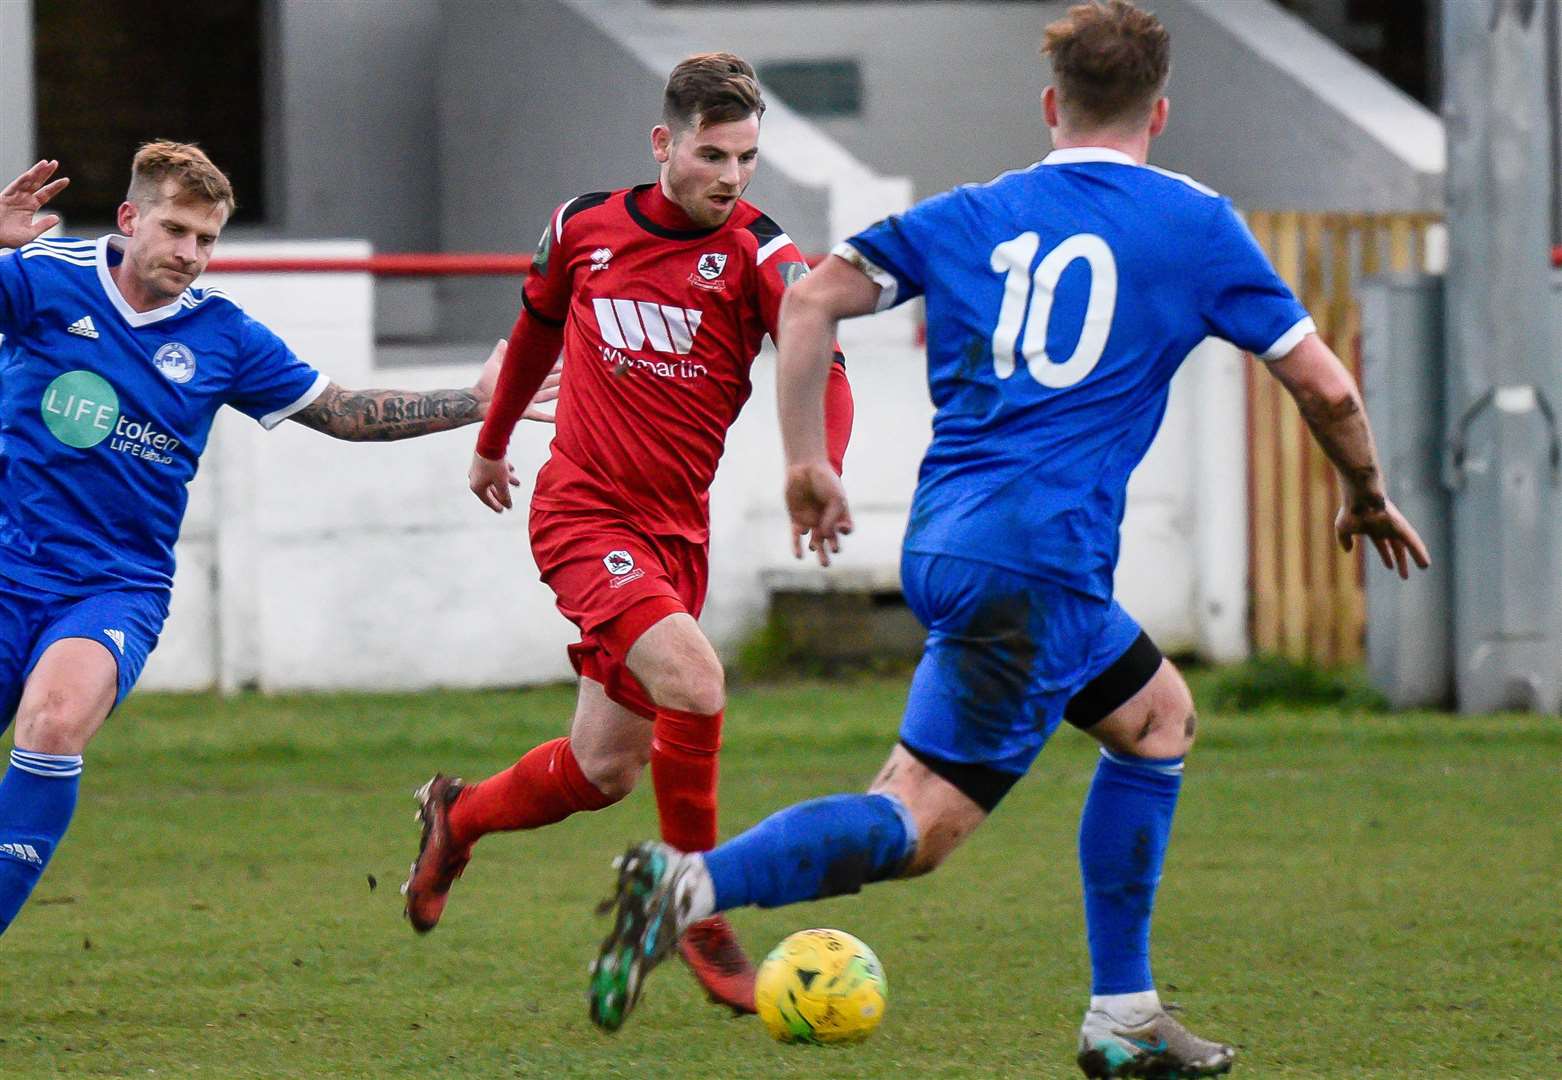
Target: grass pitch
[[1349, 894]]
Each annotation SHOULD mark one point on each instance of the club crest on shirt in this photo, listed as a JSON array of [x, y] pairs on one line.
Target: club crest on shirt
[[711, 264], [601, 257], [175, 361]]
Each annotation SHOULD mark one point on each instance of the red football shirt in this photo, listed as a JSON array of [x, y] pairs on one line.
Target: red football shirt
[[660, 328]]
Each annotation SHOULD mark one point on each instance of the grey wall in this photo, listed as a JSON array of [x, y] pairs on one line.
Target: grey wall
[[952, 95], [1274, 115], [16, 88], [353, 91], [1556, 125], [538, 103], [459, 124], [951, 92]]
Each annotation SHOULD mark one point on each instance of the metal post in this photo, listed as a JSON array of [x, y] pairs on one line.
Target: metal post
[[1409, 625], [1503, 460]]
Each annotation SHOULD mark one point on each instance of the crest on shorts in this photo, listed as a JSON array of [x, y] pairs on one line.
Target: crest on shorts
[[618, 562], [711, 264]]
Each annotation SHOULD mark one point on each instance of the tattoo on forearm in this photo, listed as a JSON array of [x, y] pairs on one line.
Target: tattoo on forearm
[[1341, 430], [385, 415]]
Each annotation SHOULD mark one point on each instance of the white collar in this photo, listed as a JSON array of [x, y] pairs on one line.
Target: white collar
[[1075, 155], [117, 298]]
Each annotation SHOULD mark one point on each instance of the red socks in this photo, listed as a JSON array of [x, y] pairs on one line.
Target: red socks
[[683, 770], [547, 786], [543, 787]]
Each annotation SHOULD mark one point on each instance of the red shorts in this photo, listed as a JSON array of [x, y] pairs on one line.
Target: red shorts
[[615, 582]]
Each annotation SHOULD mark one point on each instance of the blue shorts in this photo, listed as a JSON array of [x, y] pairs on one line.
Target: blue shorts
[[126, 623], [1005, 653]]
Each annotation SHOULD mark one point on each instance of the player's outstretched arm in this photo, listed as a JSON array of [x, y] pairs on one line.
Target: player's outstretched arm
[[524, 365], [385, 415], [811, 310], [24, 197], [1331, 405]]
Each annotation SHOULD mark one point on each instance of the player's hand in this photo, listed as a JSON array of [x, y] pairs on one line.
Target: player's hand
[[816, 503], [25, 197], [548, 391], [489, 377], [491, 482], [1380, 521]]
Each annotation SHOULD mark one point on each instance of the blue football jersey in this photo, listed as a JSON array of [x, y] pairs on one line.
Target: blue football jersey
[[104, 412], [1061, 299]]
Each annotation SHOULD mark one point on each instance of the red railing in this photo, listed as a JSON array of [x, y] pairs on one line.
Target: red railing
[[462, 264], [448, 264], [441, 264]]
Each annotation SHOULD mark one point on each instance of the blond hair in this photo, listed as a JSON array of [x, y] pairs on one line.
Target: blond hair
[[1110, 62], [711, 88], [186, 165]]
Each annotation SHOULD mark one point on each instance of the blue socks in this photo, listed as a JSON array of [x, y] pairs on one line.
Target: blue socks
[[1122, 845], [37, 798], [827, 847]]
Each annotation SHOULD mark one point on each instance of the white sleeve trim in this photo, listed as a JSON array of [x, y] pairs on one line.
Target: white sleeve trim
[[1290, 339], [272, 419], [881, 277], [558, 221], [771, 248]]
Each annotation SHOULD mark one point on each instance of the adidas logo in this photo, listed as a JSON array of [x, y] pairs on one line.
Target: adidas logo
[[118, 638], [24, 852], [84, 327]]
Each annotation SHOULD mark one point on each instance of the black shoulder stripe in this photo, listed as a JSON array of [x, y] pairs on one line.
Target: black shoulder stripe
[[539, 316], [840, 358], [582, 202], [764, 229]]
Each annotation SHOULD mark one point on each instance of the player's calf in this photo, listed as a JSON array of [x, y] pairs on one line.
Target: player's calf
[[945, 801], [37, 798]]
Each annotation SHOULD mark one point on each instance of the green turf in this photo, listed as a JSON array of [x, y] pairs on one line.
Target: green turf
[[1348, 895]]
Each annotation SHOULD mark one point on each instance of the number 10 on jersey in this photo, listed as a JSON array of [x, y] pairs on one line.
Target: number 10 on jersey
[[1034, 292]]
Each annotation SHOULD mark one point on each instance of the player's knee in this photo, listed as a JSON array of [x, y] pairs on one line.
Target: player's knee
[[699, 686], [1168, 729], [55, 722], [615, 772]]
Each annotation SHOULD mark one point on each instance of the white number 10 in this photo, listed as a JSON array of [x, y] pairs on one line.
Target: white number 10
[[1022, 290]]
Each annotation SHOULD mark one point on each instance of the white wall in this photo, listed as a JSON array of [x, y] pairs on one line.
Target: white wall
[[307, 563]]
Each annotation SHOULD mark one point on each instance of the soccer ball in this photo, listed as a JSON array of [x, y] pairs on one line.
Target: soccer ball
[[821, 986]]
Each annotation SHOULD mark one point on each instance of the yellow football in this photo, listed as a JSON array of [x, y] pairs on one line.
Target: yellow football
[[821, 986]]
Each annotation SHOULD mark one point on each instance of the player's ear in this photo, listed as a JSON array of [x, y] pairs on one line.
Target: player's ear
[[128, 214], [661, 143], [1158, 114], [1049, 106]]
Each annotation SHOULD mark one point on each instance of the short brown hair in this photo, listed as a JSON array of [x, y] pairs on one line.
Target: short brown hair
[[711, 88], [186, 165], [1110, 61]]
